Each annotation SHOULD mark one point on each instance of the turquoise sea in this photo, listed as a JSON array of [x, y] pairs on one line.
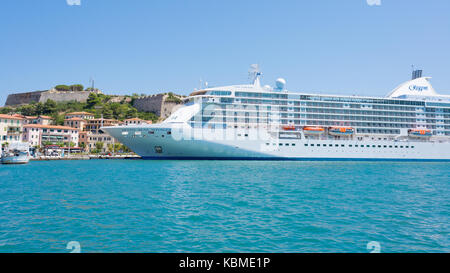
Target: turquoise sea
[[225, 206]]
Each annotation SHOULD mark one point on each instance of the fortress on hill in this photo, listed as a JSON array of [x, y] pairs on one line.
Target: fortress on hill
[[43, 96]]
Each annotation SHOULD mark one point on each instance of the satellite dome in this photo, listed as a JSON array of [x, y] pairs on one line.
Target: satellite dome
[[280, 83], [267, 87]]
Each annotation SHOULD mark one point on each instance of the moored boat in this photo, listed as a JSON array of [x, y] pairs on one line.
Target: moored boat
[[16, 153]]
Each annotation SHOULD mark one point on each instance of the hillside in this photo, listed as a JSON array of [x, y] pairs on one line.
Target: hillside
[[110, 106]]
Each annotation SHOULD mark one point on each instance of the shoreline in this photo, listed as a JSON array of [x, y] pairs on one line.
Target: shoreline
[[84, 157]]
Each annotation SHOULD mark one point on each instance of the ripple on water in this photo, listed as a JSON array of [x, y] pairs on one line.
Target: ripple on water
[[224, 206]]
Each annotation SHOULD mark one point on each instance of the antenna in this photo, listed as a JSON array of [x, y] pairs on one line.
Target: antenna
[[91, 82], [254, 73]]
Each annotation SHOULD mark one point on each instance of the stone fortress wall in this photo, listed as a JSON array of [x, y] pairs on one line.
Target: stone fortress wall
[[43, 96], [157, 104]]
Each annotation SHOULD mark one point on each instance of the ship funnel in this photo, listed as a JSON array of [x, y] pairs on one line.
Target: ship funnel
[[416, 74], [254, 74]]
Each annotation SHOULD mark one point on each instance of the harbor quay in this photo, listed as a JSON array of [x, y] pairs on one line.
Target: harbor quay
[[79, 138]]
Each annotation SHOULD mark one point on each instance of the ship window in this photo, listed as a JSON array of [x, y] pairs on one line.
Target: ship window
[[384, 146], [331, 145], [287, 144], [293, 144], [407, 147], [169, 132], [246, 135], [390, 146], [312, 144], [151, 132], [337, 145], [281, 144], [158, 149], [306, 144], [267, 144], [379, 146], [368, 146], [412, 147], [396, 146], [342, 145], [401, 146], [350, 145], [318, 145]]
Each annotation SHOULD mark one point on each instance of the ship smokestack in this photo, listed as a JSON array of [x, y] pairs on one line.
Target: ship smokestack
[[416, 74]]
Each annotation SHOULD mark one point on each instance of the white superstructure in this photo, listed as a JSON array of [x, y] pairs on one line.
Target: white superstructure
[[255, 122]]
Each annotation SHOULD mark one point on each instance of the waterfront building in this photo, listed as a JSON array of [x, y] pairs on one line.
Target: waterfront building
[[43, 120], [10, 128], [78, 123], [40, 135], [82, 115], [96, 135]]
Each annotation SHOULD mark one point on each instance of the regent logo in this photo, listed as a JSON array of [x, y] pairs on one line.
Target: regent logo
[[418, 88]]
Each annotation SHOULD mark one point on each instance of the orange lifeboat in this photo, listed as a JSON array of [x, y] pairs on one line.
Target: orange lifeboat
[[420, 133], [341, 131], [289, 128], [314, 130]]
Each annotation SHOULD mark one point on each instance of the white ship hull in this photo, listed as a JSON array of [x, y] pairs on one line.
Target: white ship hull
[[197, 144]]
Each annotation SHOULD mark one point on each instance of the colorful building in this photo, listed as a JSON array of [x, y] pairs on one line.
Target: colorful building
[[43, 120], [78, 123], [82, 115], [95, 135], [10, 128], [41, 135]]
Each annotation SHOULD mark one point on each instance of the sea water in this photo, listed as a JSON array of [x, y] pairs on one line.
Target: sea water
[[225, 206]]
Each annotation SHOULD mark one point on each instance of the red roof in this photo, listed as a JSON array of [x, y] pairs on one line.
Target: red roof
[[49, 127], [75, 119], [79, 113], [10, 117]]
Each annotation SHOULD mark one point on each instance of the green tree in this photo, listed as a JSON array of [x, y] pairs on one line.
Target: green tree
[[39, 108], [62, 87], [108, 113], [6, 110], [77, 87], [132, 113], [99, 145], [49, 107], [92, 100], [27, 110]]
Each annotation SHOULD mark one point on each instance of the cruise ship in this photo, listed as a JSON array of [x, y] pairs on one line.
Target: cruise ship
[[255, 122]]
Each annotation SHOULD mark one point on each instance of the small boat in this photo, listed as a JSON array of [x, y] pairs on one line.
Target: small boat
[[341, 131], [16, 153], [420, 133], [313, 130], [289, 128]]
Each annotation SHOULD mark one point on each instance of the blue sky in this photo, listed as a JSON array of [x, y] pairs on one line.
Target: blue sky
[[141, 46]]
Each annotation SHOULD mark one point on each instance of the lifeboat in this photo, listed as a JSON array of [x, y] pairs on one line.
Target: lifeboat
[[341, 131], [313, 130], [420, 133], [289, 128]]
